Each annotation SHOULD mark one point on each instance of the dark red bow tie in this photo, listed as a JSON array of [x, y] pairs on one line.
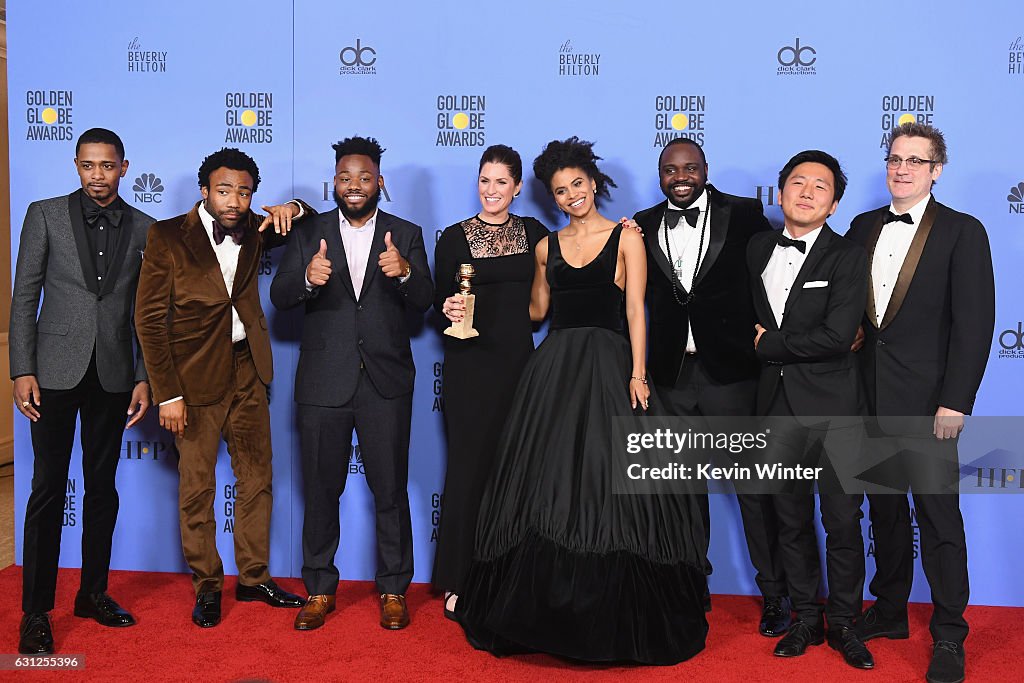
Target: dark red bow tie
[[220, 232]]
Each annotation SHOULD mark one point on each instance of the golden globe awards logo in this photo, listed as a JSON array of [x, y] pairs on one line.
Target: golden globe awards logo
[[145, 61], [71, 504], [679, 116], [460, 120], [438, 405], [900, 109], [436, 501], [358, 60], [1017, 56], [796, 60], [572, 63], [230, 494], [249, 117], [48, 115]]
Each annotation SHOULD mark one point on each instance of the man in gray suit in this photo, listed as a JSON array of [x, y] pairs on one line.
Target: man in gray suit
[[83, 252]]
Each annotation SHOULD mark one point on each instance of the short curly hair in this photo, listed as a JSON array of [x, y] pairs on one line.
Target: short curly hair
[[571, 153], [229, 157], [358, 145]]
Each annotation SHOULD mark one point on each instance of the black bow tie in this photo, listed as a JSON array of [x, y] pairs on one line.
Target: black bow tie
[[890, 217], [784, 241], [94, 213], [220, 232], [672, 216]]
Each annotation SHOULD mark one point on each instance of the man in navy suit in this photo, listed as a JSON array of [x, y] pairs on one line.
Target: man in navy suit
[[357, 272]]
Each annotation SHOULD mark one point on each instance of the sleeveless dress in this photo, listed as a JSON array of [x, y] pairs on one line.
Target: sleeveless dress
[[560, 563]]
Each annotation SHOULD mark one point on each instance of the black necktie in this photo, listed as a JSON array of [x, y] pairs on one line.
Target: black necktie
[[220, 232], [672, 216], [784, 241], [94, 213], [890, 217]]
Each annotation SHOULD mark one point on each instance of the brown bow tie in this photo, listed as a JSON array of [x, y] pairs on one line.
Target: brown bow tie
[[220, 232]]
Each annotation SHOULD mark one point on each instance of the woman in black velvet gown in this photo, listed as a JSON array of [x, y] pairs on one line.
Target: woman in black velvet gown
[[480, 374], [561, 564]]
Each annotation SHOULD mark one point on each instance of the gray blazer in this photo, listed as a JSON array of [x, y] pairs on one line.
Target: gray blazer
[[78, 314]]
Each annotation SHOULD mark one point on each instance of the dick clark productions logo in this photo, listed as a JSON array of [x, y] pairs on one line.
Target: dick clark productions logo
[[796, 60]]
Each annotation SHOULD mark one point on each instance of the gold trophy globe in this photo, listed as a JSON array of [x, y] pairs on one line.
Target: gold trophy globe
[[464, 328]]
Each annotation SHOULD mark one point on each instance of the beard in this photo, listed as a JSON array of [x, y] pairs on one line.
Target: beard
[[357, 214]]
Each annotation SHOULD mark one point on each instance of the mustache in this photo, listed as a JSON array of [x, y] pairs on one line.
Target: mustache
[[350, 213]]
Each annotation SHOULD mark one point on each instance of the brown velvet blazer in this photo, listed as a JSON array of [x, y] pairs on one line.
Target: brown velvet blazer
[[183, 310]]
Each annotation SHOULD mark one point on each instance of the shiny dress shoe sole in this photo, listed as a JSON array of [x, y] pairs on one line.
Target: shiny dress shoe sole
[[206, 614]]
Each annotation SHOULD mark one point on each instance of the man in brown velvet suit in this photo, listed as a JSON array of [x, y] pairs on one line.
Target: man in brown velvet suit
[[207, 349]]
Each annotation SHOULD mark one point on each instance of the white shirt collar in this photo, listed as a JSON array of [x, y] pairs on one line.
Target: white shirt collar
[[206, 217], [370, 224], [916, 211], [808, 239], [701, 202]]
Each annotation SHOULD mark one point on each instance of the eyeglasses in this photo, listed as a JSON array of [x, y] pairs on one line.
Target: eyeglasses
[[913, 163]]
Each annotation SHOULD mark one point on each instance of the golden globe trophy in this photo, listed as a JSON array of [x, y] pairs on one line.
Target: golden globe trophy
[[464, 328]]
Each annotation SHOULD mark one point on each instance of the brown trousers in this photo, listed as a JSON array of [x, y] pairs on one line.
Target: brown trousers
[[242, 418]]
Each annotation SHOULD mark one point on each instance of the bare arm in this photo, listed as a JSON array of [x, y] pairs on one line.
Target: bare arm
[[540, 295], [634, 261]]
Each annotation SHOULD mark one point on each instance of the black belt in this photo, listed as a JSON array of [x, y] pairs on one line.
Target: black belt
[[240, 346]]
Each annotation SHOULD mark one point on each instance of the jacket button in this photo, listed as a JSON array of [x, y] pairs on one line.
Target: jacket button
[[360, 342], [359, 307], [881, 342], [99, 297]]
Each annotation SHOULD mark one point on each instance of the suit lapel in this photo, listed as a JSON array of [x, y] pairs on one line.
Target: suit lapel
[[872, 242], [718, 229], [331, 226], [813, 256], [766, 247], [124, 238], [383, 225], [195, 238], [248, 255], [653, 233], [78, 229], [909, 267]]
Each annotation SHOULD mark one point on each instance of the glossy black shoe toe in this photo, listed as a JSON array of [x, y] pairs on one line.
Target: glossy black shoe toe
[[270, 593], [776, 617], [872, 624], [103, 609], [206, 613], [35, 638], [800, 636], [845, 641]]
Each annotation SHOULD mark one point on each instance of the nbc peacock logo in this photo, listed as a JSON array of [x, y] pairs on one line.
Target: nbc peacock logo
[[1016, 198], [148, 189]]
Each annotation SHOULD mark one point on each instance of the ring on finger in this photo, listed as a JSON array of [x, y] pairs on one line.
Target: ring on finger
[[24, 404]]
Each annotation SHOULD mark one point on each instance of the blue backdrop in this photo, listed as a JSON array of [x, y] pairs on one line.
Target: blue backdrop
[[435, 83]]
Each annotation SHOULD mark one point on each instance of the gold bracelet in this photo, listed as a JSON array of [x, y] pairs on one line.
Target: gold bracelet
[[640, 379]]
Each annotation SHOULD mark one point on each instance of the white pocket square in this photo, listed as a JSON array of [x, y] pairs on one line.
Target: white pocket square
[[813, 284]]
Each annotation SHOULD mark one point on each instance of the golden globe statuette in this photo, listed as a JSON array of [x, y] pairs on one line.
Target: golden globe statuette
[[464, 328]]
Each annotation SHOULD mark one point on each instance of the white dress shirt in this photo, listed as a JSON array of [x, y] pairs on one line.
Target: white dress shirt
[[684, 241], [890, 252], [782, 269], [357, 242]]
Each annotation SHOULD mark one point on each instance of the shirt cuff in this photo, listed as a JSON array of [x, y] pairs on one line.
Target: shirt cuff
[[403, 279], [301, 213], [171, 400]]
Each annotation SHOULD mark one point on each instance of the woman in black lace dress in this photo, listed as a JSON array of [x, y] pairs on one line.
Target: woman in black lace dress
[[561, 564], [480, 374]]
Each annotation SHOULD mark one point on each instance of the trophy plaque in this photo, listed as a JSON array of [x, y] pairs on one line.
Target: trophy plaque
[[464, 328]]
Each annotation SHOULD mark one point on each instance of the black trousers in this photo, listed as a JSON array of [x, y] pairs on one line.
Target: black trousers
[[325, 434], [793, 443], [103, 416], [943, 542]]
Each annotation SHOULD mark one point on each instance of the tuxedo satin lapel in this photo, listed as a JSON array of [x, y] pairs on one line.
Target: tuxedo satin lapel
[[655, 238], [124, 238], [720, 212], [909, 267], [249, 254], [872, 241], [194, 236], [335, 250], [81, 242], [766, 247], [813, 256], [376, 248]]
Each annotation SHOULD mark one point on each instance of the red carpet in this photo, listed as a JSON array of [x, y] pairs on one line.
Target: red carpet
[[255, 641]]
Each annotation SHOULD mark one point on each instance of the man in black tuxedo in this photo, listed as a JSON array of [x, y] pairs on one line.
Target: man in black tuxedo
[[809, 290], [73, 359], [357, 272], [928, 328], [700, 312]]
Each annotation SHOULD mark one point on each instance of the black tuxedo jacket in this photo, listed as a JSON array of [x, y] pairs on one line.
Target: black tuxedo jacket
[[810, 354], [721, 313], [341, 334], [932, 345]]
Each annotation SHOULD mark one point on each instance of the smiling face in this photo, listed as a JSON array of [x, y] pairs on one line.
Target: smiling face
[[357, 184], [100, 169], [909, 186], [574, 191], [808, 197], [683, 174], [229, 195], [497, 189]]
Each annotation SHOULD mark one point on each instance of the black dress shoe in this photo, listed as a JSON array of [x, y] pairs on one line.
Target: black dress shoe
[[873, 625], [800, 636], [844, 640], [103, 609], [36, 637], [270, 593], [206, 613], [947, 663], [776, 616]]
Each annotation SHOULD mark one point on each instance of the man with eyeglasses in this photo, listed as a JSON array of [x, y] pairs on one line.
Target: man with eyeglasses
[[928, 327]]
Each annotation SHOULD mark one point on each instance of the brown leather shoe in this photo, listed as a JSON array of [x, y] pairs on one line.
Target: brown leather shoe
[[314, 612], [393, 612]]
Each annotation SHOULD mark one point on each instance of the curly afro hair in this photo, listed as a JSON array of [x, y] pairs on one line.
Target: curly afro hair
[[232, 158], [571, 153]]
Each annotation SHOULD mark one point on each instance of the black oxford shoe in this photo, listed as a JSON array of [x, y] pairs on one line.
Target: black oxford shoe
[[103, 609], [206, 613], [845, 641], [270, 593], [873, 625], [776, 617], [800, 636], [36, 637], [947, 663]]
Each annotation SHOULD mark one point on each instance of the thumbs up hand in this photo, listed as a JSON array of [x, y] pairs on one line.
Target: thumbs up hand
[[391, 261], [318, 272]]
